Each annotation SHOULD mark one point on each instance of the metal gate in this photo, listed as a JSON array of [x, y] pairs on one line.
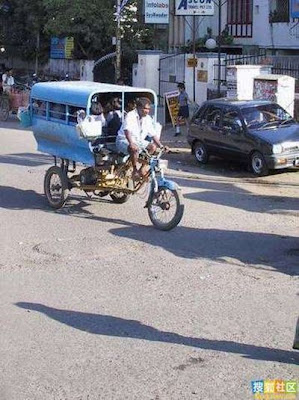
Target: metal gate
[[171, 71]]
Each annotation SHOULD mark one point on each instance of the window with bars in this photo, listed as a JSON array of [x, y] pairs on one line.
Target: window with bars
[[279, 11], [239, 11], [239, 17]]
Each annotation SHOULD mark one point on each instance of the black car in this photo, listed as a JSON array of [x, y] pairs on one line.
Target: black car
[[259, 132]]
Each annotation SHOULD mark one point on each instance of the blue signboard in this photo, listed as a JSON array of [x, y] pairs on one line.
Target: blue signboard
[[57, 47], [295, 8], [62, 47]]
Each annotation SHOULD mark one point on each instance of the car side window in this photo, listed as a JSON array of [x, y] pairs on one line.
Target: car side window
[[231, 120], [197, 119], [212, 117]]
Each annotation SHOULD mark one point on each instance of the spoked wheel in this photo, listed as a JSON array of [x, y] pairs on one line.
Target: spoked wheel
[[258, 164], [166, 208], [4, 109], [56, 187], [119, 197]]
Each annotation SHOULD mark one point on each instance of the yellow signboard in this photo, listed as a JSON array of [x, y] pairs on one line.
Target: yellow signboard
[[192, 62], [171, 99], [202, 76], [69, 47]]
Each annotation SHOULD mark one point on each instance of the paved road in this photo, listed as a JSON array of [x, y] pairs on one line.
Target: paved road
[[97, 304]]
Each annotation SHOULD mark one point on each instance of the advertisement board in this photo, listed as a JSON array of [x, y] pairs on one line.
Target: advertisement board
[[171, 99], [194, 7], [295, 8], [156, 11], [264, 89], [62, 47]]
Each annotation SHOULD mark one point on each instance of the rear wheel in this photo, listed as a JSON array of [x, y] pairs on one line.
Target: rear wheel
[[166, 208], [258, 164], [119, 197], [200, 153], [101, 193], [56, 187]]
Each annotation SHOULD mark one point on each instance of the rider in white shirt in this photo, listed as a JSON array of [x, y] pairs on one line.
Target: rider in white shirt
[[138, 133]]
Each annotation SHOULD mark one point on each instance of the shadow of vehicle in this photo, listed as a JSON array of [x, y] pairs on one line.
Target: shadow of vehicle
[[108, 325]]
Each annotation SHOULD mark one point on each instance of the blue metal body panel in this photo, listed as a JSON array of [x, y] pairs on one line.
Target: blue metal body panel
[[59, 138]]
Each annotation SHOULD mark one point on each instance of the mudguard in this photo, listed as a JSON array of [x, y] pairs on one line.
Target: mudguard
[[171, 185]]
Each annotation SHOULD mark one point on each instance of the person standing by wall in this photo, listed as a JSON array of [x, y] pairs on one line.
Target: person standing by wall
[[183, 114], [7, 81]]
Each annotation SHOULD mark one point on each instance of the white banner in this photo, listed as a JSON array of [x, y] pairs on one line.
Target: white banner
[[156, 11], [194, 7]]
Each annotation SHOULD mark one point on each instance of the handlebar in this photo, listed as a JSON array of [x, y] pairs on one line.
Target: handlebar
[[157, 154]]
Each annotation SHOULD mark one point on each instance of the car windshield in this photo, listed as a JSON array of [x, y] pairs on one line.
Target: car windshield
[[266, 116]]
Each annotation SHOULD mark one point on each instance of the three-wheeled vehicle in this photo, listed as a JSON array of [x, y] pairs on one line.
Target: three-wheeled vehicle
[[84, 150]]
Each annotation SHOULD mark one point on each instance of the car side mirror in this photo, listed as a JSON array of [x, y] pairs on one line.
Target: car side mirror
[[196, 121], [236, 130]]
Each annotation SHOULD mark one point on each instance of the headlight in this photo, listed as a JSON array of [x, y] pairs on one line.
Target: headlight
[[277, 148], [163, 164]]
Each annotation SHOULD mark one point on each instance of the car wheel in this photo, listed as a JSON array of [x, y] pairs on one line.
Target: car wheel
[[200, 153], [258, 164]]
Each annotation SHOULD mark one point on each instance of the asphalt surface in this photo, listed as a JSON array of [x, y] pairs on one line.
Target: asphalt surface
[[97, 304]]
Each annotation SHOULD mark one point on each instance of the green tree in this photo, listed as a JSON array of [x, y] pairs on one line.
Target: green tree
[[22, 28], [92, 24]]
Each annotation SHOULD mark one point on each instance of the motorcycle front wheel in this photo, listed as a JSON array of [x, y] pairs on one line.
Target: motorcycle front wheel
[[166, 208]]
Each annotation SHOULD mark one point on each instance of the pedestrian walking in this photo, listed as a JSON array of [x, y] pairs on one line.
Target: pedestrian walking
[[183, 114]]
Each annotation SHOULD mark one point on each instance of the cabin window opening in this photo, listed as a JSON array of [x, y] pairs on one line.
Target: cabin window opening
[[57, 111], [72, 114], [39, 107]]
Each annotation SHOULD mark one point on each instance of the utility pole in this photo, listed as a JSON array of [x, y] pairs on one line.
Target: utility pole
[[37, 52], [194, 56], [219, 4], [219, 48], [118, 42]]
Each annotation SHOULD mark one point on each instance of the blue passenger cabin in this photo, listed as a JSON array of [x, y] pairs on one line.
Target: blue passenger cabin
[[54, 107]]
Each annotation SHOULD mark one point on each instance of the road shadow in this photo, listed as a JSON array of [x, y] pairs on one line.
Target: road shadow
[[13, 123], [17, 199], [229, 195], [241, 248], [26, 159], [108, 325], [76, 206]]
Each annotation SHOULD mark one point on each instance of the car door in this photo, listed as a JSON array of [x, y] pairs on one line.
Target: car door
[[207, 127], [233, 139]]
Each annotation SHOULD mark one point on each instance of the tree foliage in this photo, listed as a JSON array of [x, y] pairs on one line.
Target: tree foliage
[[92, 24], [21, 23]]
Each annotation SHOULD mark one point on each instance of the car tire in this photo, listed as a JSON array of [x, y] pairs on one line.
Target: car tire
[[258, 164], [200, 152]]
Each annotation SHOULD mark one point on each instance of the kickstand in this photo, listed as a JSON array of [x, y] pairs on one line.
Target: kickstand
[[87, 194]]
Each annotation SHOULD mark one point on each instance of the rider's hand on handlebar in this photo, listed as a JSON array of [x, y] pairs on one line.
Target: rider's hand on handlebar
[[133, 147]]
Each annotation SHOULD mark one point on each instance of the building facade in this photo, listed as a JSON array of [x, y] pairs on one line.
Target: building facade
[[271, 26]]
